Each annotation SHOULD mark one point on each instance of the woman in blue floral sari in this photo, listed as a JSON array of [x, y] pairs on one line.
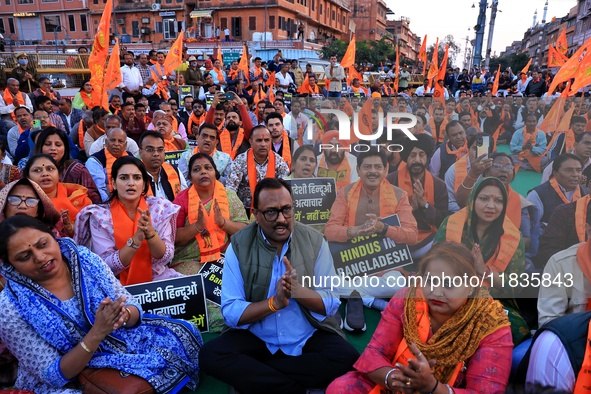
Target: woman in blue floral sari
[[63, 311]]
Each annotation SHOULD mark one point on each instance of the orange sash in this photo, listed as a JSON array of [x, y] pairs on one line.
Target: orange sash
[[258, 73], [388, 200], [253, 173], [194, 119], [171, 144], [387, 91], [580, 217], [71, 197], [286, 153], [403, 353], [226, 142], [508, 243], [534, 161], [81, 134], [461, 172], [584, 261], [87, 98], [315, 90], [212, 239], [8, 99], [441, 135], [405, 182], [342, 174], [558, 190], [220, 75], [460, 152], [514, 207], [583, 384], [109, 165], [140, 268], [173, 179]]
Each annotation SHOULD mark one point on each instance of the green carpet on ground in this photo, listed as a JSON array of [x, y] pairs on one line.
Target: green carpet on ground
[[524, 181]]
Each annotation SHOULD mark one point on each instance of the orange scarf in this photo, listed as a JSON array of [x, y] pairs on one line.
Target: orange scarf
[[87, 98], [252, 172], [534, 161], [403, 353], [9, 99], [81, 134], [140, 268], [514, 207], [315, 90], [226, 142], [171, 145], [580, 217], [584, 377], [460, 152], [220, 75], [584, 260], [50, 95], [441, 135], [173, 179], [387, 91], [508, 243], [405, 182], [233, 74], [342, 174], [213, 239], [461, 172], [558, 190], [194, 119], [72, 198], [388, 200], [258, 73], [109, 165], [286, 153]]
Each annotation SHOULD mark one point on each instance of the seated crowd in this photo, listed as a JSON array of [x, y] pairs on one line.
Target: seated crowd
[[93, 200]]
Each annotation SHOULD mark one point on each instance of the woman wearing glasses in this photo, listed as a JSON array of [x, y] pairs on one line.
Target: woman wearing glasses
[[24, 197], [209, 215], [83, 99]]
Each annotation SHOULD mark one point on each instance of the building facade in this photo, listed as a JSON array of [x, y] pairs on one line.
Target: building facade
[[370, 20], [408, 42]]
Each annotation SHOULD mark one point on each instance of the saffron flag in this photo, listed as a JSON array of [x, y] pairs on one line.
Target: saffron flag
[[98, 56], [349, 58], [552, 119], [571, 67], [495, 87], [565, 92], [217, 54], [174, 58], [363, 120], [434, 67], [525, 70], [352, 75], [113, 74], [243, 65], [561, 44], [272, 80], [397, 68], [555, 58], [583, 76], [423, 54], [305, 87], [271, 95], [439, 92]]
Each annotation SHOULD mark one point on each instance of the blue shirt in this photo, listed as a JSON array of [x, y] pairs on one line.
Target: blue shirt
[[287, 330], [537, 149]]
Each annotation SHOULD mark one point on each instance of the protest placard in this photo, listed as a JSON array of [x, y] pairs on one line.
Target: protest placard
[[212, 280], [184, 91], [313, 198], [173, 157]]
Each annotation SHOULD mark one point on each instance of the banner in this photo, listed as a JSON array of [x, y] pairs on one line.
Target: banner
[[212, 280], [313, 198], [179, 298], [370, 254], [172, 157], [184, 91]]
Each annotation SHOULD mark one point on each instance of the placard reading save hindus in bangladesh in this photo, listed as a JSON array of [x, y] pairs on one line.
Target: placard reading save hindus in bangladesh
[[173, 157], [313, 198], [180, 298], [370, 254], [212, 279]]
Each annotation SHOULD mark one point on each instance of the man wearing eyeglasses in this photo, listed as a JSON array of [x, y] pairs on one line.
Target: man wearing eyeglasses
[[358, 211], [99, 164], [285, 338], [166, 182]]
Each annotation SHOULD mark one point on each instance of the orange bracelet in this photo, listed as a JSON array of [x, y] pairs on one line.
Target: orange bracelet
[[271, 307]]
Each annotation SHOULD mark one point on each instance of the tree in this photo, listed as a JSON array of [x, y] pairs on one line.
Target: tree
[[367, 52], [454, 50], [335, 48], [515, 60]]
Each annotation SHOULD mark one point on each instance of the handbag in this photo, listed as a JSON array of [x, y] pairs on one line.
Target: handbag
[[112, 381]]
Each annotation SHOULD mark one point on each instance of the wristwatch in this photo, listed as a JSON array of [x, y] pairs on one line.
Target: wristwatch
[[132, 244]]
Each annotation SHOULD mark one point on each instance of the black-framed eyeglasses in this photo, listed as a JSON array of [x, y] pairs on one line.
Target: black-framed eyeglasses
[[30, 202], [272, 214]]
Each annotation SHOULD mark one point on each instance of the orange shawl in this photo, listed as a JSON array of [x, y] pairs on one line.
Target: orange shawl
[[405, 182], [109, 165], [580, 217], [514, 207], [342, 174], [252, 172], [388, 200], [534, 161], [558, 190], [460, 152], [226, 142], [72, 198], [173, 179], [194, 119]]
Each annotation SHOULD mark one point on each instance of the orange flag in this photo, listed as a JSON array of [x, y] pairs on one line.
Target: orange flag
[[272, 80], [438, 92], [352, 75], [583, 76], [113, 74], [243, 64], [305, 87], [555, 58], [217, 54], [565, 92], [495, 88], [397, 68], [174, 58], [271, 95], [363, 120], [349, 58], [258, 96], [524, 70], [423, 54], [434, 68], [571, 67], [326, 84], [98, 56], [561, 44], [551, 120]]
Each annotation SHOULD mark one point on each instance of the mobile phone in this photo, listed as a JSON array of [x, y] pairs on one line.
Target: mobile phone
[[36, 124], [229, 96], [482, 145]]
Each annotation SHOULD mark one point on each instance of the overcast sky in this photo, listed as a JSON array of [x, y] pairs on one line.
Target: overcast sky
[[438, 18]]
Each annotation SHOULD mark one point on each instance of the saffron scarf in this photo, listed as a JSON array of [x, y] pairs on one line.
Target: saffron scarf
[[252, 172], [514, 207], [81, 134], [342, 174], [87, 98], [286, 152], [173, 180], [194, 119], [460, 152], [72, 198], [388, 200], [558, 190], [405, 182], [534, 161], [580, 216], [461, 168], [110, 159], [584, 261], [441, 135], [212, 240], [140, 268], [9, 99], [226, 142], [583, 383]]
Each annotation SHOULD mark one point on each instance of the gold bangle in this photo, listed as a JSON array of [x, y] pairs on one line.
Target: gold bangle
[[271, 307], [86, 349], [464, 186]]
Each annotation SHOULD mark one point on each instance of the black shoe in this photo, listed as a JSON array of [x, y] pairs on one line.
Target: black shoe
[[354, 317]]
